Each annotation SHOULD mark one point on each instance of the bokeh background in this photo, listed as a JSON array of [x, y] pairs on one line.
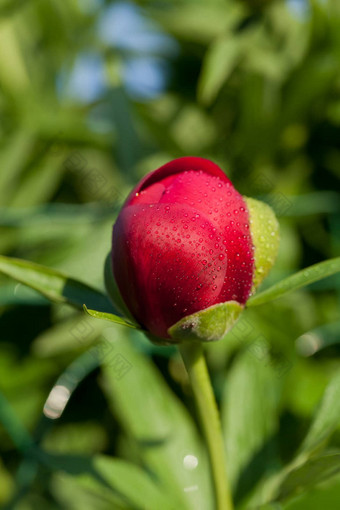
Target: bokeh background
[[94, 94]]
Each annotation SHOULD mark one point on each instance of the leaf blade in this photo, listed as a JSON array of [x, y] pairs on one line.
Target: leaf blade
[[308, 475], [326, 419], [249, 449], [100, 474], [158, 423], [52, 284], [296, 281]]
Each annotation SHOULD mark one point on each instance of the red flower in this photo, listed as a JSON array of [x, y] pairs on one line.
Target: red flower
[[181, 244]]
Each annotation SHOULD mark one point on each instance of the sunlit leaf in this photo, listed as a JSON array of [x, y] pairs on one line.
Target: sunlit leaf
[[326, 420], [54, 285], [219, 62], [163, 431], [301, 279], [101, 475], [325, 495], [309, 474], [250, 419], [83, 492]]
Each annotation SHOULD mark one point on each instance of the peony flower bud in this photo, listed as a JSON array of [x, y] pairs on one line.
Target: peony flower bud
[[184, 255]]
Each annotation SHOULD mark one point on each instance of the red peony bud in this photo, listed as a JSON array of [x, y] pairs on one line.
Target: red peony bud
[[181, 244]]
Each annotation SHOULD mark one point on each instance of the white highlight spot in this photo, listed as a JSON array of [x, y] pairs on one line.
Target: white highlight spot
[[56, 402], [190, 462], [191, 489], [308, 344]]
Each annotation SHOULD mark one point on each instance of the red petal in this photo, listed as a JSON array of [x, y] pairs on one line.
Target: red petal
[[162, 264], [174, 167]]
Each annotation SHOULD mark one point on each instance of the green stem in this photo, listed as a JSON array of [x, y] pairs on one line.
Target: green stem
[[193, 357]]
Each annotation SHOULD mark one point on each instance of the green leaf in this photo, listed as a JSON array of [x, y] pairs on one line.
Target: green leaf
[[39, 183], [14, 293], [103, 475], [219, 63], [73, 492], [13, 157], [75, 333], [157, 422], [308, 475], [208, 325], [13, 425], [197, 22], [296, 281], [325, 495], [249, 419], [110, 317], [54, 285], [326, 420]]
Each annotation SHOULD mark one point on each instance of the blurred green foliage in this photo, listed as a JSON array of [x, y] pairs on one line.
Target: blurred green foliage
[[252, 85]]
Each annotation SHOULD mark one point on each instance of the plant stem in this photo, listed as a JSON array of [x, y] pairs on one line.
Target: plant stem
[[194, 360]]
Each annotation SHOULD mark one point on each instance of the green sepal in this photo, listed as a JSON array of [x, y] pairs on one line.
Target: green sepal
[[113, 291], [164, 342], [264, 229], [207, 325], [110, 317]]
